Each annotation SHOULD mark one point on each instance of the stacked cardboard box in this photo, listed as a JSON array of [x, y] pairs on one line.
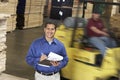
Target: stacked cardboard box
[[115, 24], [115, 8], [34, 10], [3, 27], [11, 25], [10, 8], [75, 8]]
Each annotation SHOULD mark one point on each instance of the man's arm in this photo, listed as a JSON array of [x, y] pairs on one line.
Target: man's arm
[[99, 31], [31, 59]]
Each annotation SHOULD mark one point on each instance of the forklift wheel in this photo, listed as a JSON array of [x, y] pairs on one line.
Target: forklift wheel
[[62, 78], [113, 78]]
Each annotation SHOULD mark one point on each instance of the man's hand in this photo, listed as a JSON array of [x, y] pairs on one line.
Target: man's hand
[[43, 57], [55, 63], [105, 34]]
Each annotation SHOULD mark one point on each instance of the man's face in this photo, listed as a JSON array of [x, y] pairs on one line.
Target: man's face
[[96, 16], [49, 30]]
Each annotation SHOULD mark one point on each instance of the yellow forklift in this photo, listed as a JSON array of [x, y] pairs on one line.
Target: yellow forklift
[[81, 65]]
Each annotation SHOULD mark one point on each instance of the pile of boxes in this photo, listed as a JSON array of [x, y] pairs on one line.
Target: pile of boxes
[[3, 27], [115, 25], [34, 11], [79, 9], [33, 14], [10, 8]]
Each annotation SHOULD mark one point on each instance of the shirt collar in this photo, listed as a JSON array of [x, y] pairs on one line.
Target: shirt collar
[[54, 40]]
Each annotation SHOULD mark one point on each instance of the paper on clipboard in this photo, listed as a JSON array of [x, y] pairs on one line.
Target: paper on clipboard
[[54, 57]]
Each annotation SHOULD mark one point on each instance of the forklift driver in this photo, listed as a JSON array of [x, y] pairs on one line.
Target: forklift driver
[[98, 34]]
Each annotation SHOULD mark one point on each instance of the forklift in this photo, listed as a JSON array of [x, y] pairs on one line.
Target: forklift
[[81, 65]]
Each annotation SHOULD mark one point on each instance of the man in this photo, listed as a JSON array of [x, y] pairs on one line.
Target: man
[[39, 51], [98, 34]]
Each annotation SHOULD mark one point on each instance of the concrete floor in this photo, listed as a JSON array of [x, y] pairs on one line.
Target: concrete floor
[[18, 43], [4, 76]]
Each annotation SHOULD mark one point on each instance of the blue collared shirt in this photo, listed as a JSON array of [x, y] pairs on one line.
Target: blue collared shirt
[[40, 46]]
